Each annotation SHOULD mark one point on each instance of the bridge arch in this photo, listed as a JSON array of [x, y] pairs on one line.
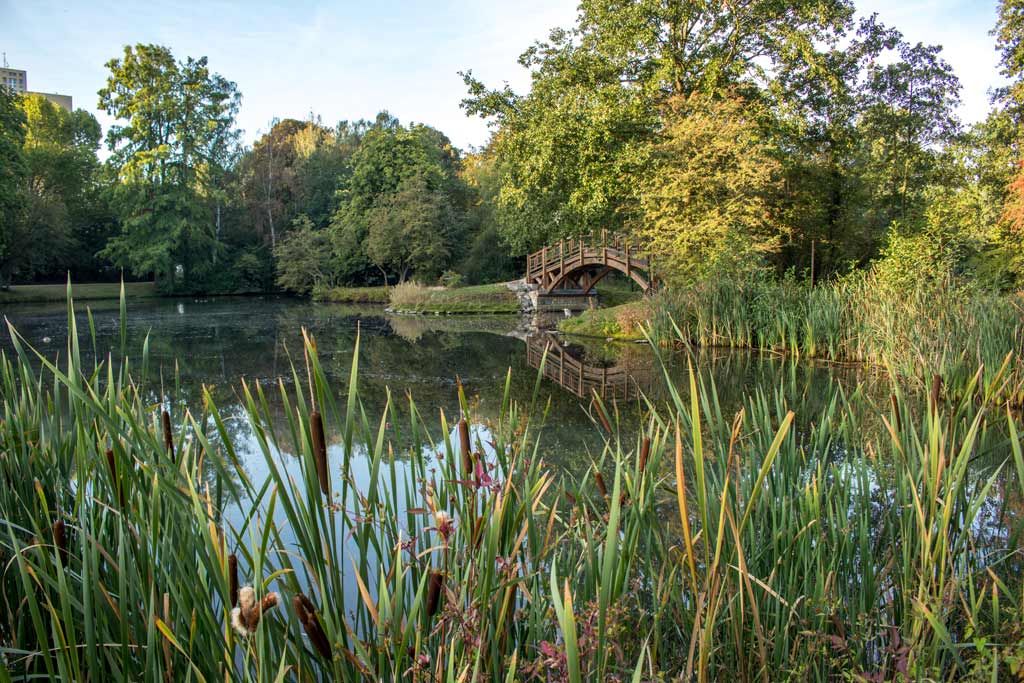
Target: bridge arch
[[579, 264]]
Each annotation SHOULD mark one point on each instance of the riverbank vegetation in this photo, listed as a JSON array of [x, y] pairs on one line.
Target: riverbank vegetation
[[410, 297], [353, 295], [89, 292], [949, 328], [777, 543]]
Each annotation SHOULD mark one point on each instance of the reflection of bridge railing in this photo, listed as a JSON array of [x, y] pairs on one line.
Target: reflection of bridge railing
[[576, 376]]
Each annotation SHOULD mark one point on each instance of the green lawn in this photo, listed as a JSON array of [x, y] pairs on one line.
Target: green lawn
[[354, 295], [81, 292], [618, 322], [493, 298]]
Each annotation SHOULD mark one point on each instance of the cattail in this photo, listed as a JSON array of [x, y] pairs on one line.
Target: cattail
[[936, 392], [465, 446], [896, 412], [233, 579], [316, 428], [599, 480], [246, 617], [599, 409], [165, 418], [434, 591], [645, 452], [60, 539], [112, 466], [306, 613]]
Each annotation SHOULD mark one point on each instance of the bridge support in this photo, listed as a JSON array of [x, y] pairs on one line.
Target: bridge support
[[574, 268]]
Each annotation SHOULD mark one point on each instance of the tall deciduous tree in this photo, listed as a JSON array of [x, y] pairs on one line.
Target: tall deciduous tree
[[176, 126], [64, 220], [597, 90], [705, 203], [12, 174]]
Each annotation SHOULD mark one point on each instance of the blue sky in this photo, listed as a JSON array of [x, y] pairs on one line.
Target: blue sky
[[347, 60]]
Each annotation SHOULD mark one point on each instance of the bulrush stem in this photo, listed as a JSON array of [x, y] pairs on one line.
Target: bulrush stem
[[165, 419], [434, 591], [60, 539], [466, 447], [306, 613], [316, 428], [233, 579], [645, 452]]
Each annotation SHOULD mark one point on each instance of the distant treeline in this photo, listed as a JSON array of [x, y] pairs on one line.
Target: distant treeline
[[740, 140], [179, 199]]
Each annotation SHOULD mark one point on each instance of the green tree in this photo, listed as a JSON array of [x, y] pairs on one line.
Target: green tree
[[64, 220], [410, 230], [12, 175], [370, 211], [178, 129], [597, 91], [705, 205], [304, 257]]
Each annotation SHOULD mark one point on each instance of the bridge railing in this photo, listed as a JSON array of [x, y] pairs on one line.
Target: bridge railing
[[602, 246]]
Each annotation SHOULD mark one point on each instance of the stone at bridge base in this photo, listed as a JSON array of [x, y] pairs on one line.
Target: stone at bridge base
[[558, 301]]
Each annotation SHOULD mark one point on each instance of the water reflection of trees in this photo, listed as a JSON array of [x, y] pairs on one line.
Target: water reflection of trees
[[219, 342]]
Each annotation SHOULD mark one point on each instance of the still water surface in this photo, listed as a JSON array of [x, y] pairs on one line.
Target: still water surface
[[219, 342]]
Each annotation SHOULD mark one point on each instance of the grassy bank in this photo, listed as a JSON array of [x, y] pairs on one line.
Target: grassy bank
[[353, 295], [949, 329], [714, 547], [83, 292], [625, 321], [410, 297]]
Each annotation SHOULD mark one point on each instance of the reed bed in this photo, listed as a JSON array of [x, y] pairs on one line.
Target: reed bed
[[947, 328], [762, 546]]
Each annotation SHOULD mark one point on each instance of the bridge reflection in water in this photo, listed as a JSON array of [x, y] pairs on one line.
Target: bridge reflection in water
[[626, 377]]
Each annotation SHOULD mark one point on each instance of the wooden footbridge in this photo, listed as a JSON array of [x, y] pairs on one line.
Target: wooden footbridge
[[579, 378], [572, 267]]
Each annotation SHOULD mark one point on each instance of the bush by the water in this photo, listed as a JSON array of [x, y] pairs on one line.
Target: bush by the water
[[776, 544]]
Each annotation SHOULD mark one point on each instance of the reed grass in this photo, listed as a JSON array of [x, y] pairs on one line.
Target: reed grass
[[950, 328], [801, 550]]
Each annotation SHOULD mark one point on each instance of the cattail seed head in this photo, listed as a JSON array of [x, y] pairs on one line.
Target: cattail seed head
[[233, 579], [645, 452], [306, 613], [60, 539], [436, 584], [112, 466], [896, 412], [465, 446], [936, 392], [246, 617], [599, 480], [165, 419], [316, 428]]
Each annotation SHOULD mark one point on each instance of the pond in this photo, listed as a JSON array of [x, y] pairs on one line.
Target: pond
[[221, 341]]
